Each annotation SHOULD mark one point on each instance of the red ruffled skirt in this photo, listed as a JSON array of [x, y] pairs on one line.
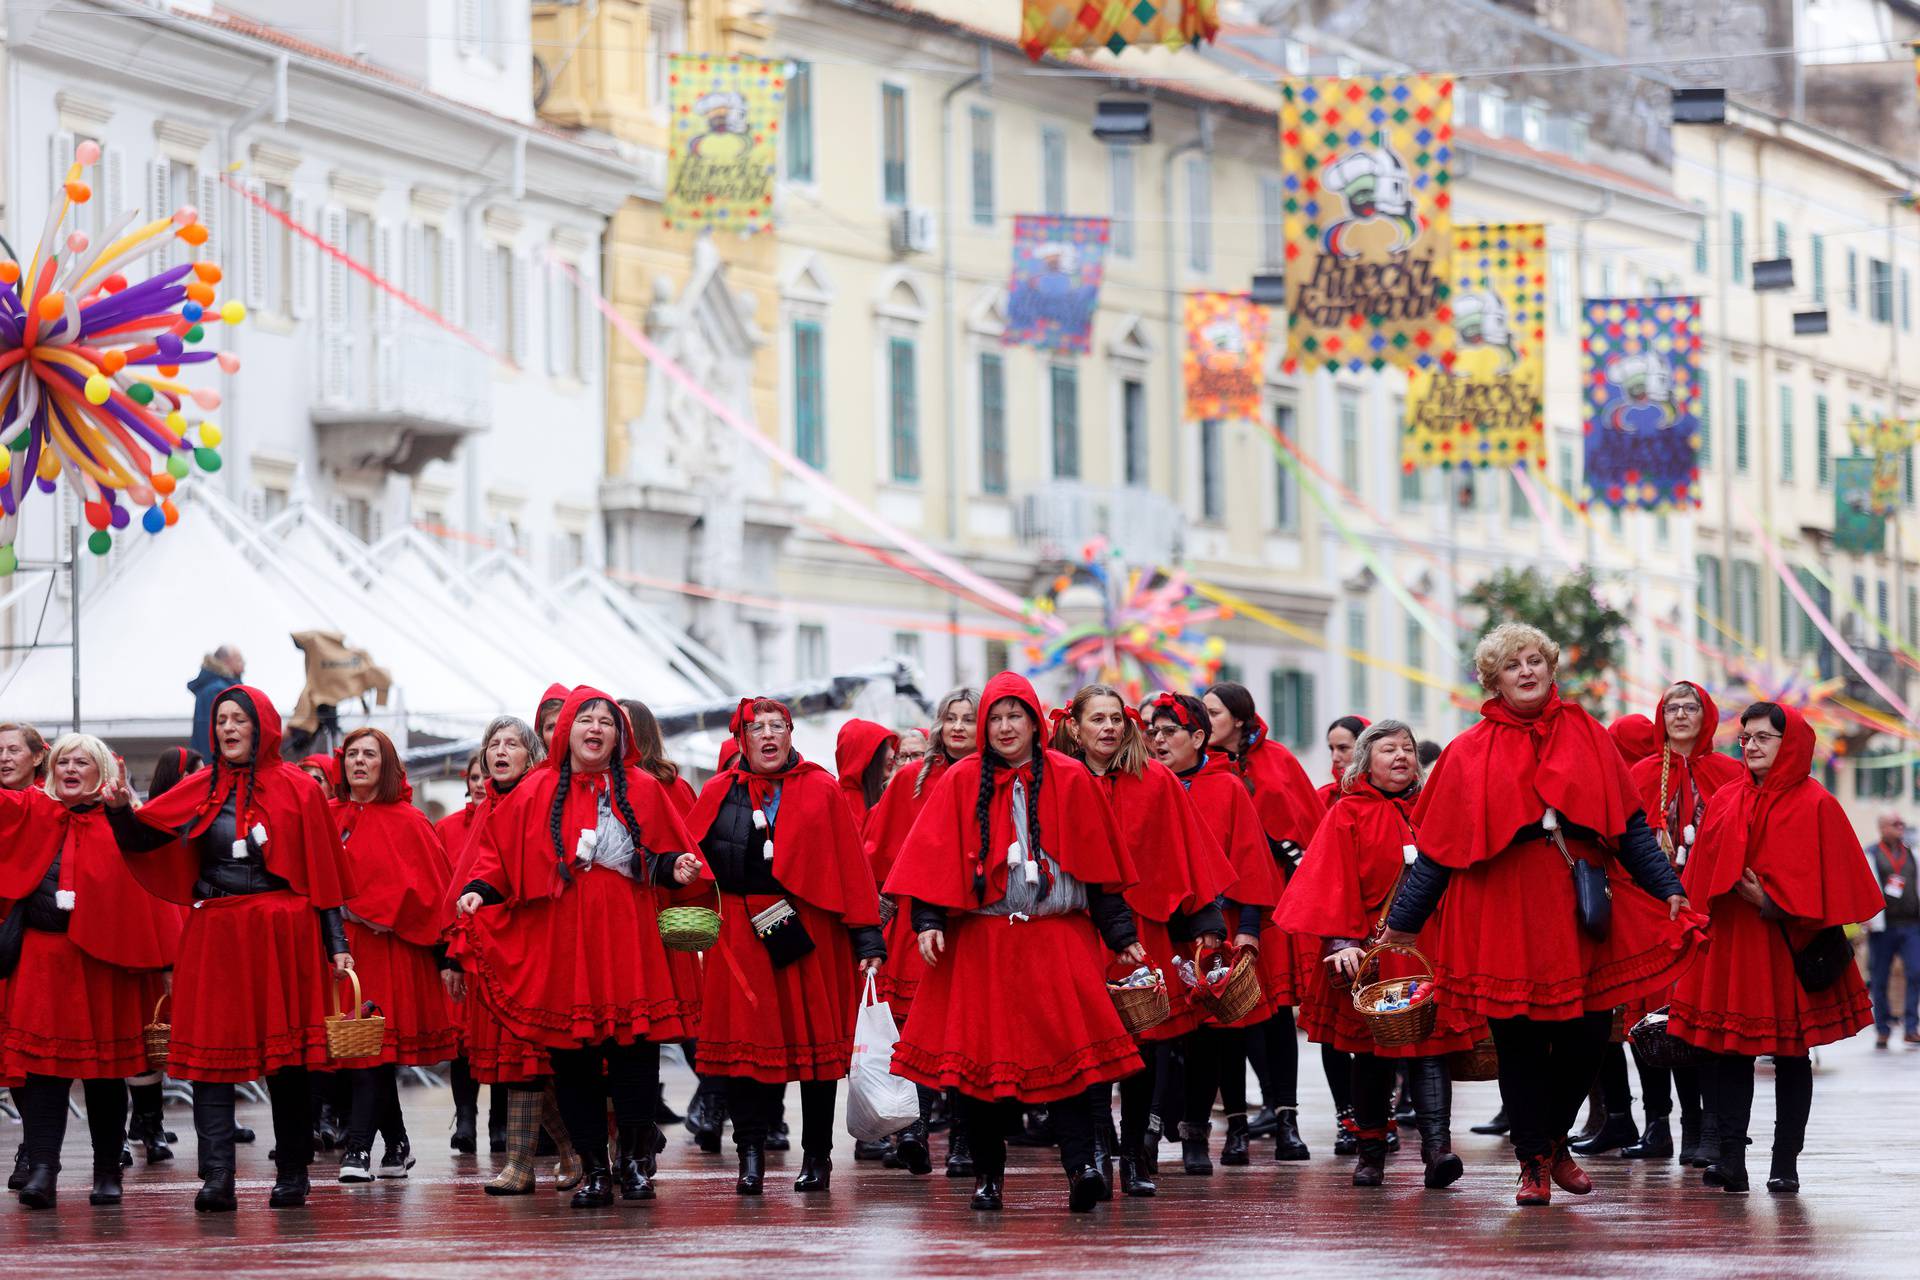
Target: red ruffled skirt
[[581, 968], [403, 983], [1743, 997], [249, 990], [900, 977], [1183, 1015], [1509, 944], [1328, 1017], [776, 1025], [1016, 1010], [71, 1016]]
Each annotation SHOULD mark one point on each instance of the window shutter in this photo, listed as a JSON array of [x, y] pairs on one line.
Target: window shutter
[[556, 359], [336, 368], [469, 18], [59, 160], [587, 334], [159, 175], [487, 315], [520, 294], [385, 319], [305, 262], [116, 184], [451, 293], [413, 273], [254, 220], [210, 193]]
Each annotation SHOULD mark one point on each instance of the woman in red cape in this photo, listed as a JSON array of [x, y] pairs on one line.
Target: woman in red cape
[[583, 855], [1342, 736], [1015, 872], [1340, 895], [1290, 811], [249, 845], [517, 1072], [1216, 1056], [1675, 781], [400, 882], [800, 912], [955, 736], [84, 973], [863, 761], [454, 829], [1536, 785], [1777, 863], [1634, 738], [1176, 903]]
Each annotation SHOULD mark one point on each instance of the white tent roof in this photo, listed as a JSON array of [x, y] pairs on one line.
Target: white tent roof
[[462, 646]]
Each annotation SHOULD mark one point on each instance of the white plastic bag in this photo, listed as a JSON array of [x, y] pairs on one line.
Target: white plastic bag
[[879, 1103]]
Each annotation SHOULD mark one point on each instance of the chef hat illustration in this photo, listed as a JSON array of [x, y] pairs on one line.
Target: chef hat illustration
[[1226, 337], [1481, 320], [1060, 257], [1374, 175], [1643, 376], [729, 105]]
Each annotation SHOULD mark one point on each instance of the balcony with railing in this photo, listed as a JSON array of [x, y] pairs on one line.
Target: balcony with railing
[[1057, 519], [396, 397]]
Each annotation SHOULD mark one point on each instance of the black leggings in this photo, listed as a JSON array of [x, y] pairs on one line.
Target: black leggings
[[1727, 1087], [43, 1118], [1546, 1069], [290, 1093], [1338, 1064], [631, 1078], [1372, 1082], [1615, 1092], [1136, 1103], [375, 1106], [1216, 1063], [1274, 1050], [1658, 1085], [756, 1107], [988, 1121]]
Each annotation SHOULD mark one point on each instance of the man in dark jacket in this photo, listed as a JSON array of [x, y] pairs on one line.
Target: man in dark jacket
[[1899, 936], [219, 671]]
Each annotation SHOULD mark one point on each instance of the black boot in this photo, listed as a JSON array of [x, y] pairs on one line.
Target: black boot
[[596, 1184], [635, 1170], [1344, 1143], [1432, 1092], [1689, 1138], [148, 1125], [106, 1183], [1233, 1150], [1194, 1159], [328, 1133], [1104, 1141], [1616, 1132], [1729, 1172], [1149, 1155], [1370, 1170], [916, 1156], [290, 1187], [1287, 1142], [1262, 1124], [216, 1194], [864, 1150], [1656, 1142], [1596, 1116], [753, 1170], [213, 1124], [1497, 1125], [1784, 1177], [37, 1189], [466, 1135], [816, 1173], [1133, 1179], [1709, 1145], [986, 1192], [664, 1115], [1085, 1189], [497, 1120], [18, 1178]]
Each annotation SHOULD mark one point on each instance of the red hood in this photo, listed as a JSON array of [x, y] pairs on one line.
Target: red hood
[[1020, 689], [1709, 722], [328, 765], [859, 742], [266, 723], [1633, 737], [557, 749]]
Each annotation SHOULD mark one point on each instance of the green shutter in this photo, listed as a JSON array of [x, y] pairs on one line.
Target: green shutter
[[1786, 435], [903, 411], [800, 123], [1066, 422], [1822, 443], [993, 424], [1706, 419], [809, 438], [1740, 424]]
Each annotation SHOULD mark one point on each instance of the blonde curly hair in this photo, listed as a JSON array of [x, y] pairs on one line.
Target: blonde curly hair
[[1504, 642]]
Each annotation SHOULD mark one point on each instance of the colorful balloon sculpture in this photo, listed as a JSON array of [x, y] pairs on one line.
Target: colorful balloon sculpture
[[1149, 632], [90, 367]]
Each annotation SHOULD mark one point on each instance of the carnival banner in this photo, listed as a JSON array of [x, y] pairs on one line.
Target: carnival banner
[[1061, 27], [1365, 165], [726, 113], [1058, 264], [1889, 441], [1225, 356], [1643, 402], [1857, 527], [1488, 408]]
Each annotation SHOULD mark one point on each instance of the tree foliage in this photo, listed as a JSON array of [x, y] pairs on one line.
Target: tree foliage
[[1587, 628]]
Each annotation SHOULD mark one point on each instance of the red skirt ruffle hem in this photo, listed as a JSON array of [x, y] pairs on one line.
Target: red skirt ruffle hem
[[579, 969], [1743, 997], [494, 1054], [900, 977], [249, 990], [1182, 1016], [776, 1025], [69, 1015], [403, 983], [1328, 1017], [1510, 945], [1016, 1010]]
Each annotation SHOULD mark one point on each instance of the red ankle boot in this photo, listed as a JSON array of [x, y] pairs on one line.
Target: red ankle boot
[[1536, 1186], [1567, 1175]]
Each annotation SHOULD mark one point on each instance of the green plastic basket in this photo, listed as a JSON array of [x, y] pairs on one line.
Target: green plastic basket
[[689, 928]]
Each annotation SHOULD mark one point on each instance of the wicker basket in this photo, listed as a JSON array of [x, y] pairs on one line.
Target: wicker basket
[[1239, 996], [1395, 1028], [689, 928], [158, 1036], [1658, 1046], [1482, 1062], [1141, 1008], [889, 908], [353, 1034]]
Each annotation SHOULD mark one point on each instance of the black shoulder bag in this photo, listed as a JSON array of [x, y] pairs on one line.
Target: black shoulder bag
[[13, 934], [1820, 963], [1592, 897]]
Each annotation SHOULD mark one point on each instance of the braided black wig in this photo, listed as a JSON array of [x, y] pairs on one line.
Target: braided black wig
[[617, 771]]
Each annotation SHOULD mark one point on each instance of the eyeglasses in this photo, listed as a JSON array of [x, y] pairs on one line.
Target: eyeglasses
[[1746, 738], [1167, 731], [758, 730]]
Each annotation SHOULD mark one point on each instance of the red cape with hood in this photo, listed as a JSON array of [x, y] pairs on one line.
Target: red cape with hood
[[854, 749], [556, 690], [1289, 807], [1743, 996], [1220, 795], [301, 848], [1705, 768], [114, 919], [455, 828], [327, 763], [1014, 1009], [1329, 792], [1633, 737], [1349, 871], [887, 828]]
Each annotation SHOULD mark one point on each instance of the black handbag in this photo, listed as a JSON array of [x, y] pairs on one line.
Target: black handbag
[[1592, 897], [13, 934], [1820, 963], [782, 934]]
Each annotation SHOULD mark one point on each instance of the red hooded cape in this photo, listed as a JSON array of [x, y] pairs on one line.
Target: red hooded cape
[[114, 919], [1707, 768], [889, 821], [858, 743], [937, 863], [1221, 798], [1352, 865], [513, 850], [817, 853], [456, 827], [1178, 860], [1503, 773], [302, 846], [1289, 807], [1794, 835], [1633, 737], [327, 763], [400, 870]]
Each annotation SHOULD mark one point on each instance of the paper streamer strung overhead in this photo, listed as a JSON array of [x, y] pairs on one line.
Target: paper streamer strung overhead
[[1225, 357], [1643, 398], [90, 367], [725, 140], [1060, 27], [1888, 440], [1488, 409], [1857, 527], [1149, 632], [1058, 264], [1365, 165]]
